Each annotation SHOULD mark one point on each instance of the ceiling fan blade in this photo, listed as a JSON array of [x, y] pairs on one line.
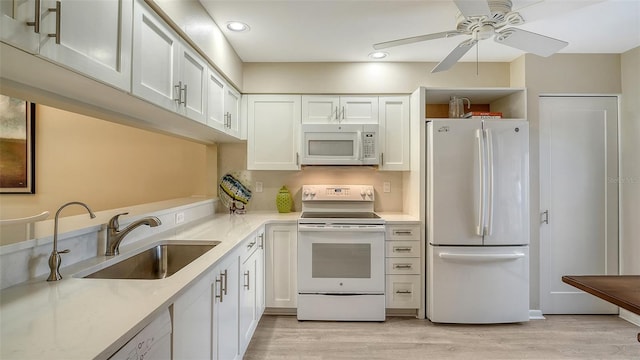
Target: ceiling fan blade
[[415, 39], [473, 7], [530, 42], [454, 56]]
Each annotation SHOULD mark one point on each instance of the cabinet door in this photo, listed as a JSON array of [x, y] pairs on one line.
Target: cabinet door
[[273, 132], [14, 30], [156, 55], [192, 317], [394, 133], [232, 109], [216, 88], [260, 273], [94, 38], [281, 253], [225, 313], [193, 75], [358, 109], [320, 109], [248, 310]]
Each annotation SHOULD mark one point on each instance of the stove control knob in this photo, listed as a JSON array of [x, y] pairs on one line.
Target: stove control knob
[[369, 193]]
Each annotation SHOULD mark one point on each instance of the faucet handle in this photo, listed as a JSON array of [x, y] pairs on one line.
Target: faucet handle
[[65, 251], [113, 222]]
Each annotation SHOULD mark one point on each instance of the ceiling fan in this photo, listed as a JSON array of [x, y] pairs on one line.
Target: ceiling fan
[[482, 19]]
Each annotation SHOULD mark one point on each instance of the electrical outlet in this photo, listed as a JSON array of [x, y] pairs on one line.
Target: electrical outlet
[[179, 217], [258, 186], [386, 186]]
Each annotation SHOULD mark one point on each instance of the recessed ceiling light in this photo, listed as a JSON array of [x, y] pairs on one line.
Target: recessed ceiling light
[[237, 26], [378, 55]]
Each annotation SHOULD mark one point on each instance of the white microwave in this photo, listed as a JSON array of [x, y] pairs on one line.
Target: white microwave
[[339, 144]]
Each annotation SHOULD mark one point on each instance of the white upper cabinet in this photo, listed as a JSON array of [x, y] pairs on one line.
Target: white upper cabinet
[[192, 85], [20, 24], [156, 52], [329, 109], [91, 37], [273, 132], [394, 133], [232, 111]]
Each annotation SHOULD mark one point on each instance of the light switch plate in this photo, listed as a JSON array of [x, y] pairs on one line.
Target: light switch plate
[[386, 187], [179, 217], [258, 186]]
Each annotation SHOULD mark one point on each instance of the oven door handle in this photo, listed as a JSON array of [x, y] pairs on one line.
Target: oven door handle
[[329, 228]]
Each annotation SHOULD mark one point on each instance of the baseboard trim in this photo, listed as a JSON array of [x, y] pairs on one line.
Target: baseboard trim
[[630, 317], [536, 315]]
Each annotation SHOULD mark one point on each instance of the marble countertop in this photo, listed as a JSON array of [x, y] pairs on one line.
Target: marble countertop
[[78, 318]]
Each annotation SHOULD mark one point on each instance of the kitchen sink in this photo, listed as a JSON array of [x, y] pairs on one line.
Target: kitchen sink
[[157, 262]]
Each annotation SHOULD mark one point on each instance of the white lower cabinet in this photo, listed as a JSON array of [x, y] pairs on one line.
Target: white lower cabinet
[[192, 316], [251, 288], [281, 266], [403, 267], [217, 316]]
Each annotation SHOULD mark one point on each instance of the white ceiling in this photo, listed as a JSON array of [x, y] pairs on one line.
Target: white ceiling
[[345, 30]]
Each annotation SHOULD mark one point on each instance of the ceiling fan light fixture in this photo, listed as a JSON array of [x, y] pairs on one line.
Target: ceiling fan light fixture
[[378, 55], [237, 26]]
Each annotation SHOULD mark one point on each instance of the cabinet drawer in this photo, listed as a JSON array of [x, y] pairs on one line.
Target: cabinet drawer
[[403, 232], [251, 244], [403, 248], [403, 291], [402, 266]]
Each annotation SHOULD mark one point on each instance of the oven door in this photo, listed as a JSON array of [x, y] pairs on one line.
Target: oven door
[[341, 259]]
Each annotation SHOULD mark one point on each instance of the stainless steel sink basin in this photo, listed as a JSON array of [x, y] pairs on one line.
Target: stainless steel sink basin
[[158, 262]]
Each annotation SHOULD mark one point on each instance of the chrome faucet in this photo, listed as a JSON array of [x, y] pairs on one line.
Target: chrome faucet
[[54, 258], [115, 236]]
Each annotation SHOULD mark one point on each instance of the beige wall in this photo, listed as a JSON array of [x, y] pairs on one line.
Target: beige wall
[[232, 158], [630, 164], [558, 74], [366, 77], [107, 165]]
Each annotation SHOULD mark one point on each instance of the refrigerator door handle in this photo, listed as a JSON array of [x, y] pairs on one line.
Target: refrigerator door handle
[[481, 257], [488, 230], [481, 186]]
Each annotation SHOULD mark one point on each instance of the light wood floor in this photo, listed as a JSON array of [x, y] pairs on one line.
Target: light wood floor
[[403, 338]]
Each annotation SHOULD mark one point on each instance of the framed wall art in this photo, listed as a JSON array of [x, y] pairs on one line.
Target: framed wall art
[[17, 146]]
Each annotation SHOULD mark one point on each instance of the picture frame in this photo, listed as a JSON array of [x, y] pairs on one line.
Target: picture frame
[[17, 146]]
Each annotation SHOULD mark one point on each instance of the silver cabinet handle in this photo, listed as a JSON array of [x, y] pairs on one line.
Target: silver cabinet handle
[[261, 237], [224, 274], [185, 95], [403, 292], [58, 11], [219, 281], [246, 277], [36, 22], [402, 266], [297, 158], [178, 89], [250, 245], [381, 158], [545, 217], [402, 249], [402, 232]]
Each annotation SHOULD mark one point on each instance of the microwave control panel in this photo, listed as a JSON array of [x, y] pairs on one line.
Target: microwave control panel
[[369, 145]]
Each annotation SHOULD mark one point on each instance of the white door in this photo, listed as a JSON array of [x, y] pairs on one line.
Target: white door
[[453, 182], [15, 19], [507, 182], [216, 117], [232, 109], [578, 198], [156, 55], [225, 309], [192, 317], [193, 74], [394, 133], [273, 132], [94, 38], [358, 109], [320, 109]]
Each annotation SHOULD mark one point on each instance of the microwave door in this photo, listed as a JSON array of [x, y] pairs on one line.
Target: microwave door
[[325, 147]]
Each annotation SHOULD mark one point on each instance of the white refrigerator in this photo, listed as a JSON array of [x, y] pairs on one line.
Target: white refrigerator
[[477, 221]]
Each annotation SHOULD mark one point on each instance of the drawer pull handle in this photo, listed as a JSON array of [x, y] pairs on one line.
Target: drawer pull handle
[[220, 296], [246, 277], [402, 266], [403, 232], [401, 249], [250, 245], [403, 292]]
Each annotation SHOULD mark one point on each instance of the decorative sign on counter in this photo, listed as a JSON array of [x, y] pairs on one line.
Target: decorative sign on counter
[[233, 194]]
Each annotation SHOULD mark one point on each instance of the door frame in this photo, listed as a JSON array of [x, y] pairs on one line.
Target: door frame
[[544, 237]]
